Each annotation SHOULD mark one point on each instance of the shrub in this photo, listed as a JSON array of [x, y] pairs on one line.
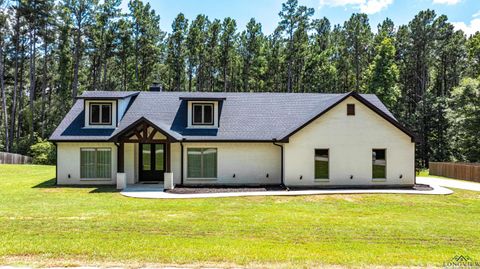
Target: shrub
[[43, 152]]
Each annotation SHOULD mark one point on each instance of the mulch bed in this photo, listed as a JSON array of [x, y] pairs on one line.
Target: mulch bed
[[422, 187], [194, 190]]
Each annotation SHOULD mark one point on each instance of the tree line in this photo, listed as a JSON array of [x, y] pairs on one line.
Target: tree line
[[426, 72]]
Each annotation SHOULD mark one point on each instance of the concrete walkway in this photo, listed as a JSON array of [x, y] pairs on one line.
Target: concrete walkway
[[451, 183], [156, 194]]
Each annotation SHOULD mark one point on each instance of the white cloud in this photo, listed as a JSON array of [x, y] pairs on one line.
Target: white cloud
[[468, 29], [366, 6], [476, 14], [446, 2], [374, 6]]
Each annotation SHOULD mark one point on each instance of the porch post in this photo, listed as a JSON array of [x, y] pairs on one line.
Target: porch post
[[168, 176], [121, 158], [167, 153], [121, 176]]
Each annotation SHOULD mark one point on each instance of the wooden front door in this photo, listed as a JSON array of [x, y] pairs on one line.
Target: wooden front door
[[152, 162]]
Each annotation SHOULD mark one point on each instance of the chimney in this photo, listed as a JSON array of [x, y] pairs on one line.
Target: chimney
[[156, 87]]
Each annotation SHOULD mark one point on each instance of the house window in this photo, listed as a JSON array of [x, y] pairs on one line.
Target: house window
[[100, 114], [321, 164], [202, 163], [202, 114], [350, 109], [379, 164], [95, 163]]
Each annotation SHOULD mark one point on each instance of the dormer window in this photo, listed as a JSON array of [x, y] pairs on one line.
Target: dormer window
[[202, 114], [100, 113]]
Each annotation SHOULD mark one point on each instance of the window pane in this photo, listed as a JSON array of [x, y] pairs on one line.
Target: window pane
[[104, 163], [209, 163], [87, 163], [321, 163], [159, 157], [95, 114], [194, 163], [197, 114], [146, 157], [379, 163], [106, 109], [208, 114]]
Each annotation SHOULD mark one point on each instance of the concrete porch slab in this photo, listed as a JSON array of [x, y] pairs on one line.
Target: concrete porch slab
[[144, 188]]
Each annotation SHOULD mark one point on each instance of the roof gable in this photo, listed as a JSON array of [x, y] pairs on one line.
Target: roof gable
[[385, 114]]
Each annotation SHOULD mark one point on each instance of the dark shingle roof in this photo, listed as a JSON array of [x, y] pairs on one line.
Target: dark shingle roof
[[106, 95], [243, 116]]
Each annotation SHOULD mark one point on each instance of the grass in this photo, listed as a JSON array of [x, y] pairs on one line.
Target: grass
[[423, 173], [44, 225]]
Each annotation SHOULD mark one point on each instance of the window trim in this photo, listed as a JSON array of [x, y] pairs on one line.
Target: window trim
[[350, 109], [101, 104], [380, 179], [202, 178], [328, 177], [96, 178], [203, 123]]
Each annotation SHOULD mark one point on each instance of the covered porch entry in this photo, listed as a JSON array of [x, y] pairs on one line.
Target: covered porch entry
[[152, 154]]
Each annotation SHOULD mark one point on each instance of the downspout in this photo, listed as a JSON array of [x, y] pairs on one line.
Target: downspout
[[414, 163], [56, 163], [281, 161], [181, 162]]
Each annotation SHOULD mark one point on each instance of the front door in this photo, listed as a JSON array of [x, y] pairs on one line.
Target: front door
[[152, 162]]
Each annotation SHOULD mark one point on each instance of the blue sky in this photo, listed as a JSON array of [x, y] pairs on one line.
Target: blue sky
[[464, 14]]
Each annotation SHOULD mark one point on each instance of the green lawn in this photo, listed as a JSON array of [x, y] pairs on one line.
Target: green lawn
[[41, 224]]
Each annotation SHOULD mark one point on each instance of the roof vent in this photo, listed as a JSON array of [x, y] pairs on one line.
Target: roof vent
[[156, 87]]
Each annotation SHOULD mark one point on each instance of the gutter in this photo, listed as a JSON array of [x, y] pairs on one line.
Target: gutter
[[181, 162], [282, 183], [56, 163]]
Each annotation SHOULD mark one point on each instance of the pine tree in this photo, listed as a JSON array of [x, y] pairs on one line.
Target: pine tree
[[251, 52], [382, 74], [176, 53], [228, 39], [195, 46], [320, 73], [295, 24], [473, 46], [358, 42]]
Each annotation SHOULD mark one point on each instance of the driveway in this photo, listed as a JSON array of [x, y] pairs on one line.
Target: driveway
[[450, 183]]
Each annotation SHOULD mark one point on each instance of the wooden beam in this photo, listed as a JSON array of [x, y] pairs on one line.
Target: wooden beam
[[139, 136], [121, 158], [152, 134], [145, 136], [167, 157]]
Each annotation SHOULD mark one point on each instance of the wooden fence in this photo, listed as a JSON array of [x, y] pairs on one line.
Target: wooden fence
[[12, 158], [465, 171]]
